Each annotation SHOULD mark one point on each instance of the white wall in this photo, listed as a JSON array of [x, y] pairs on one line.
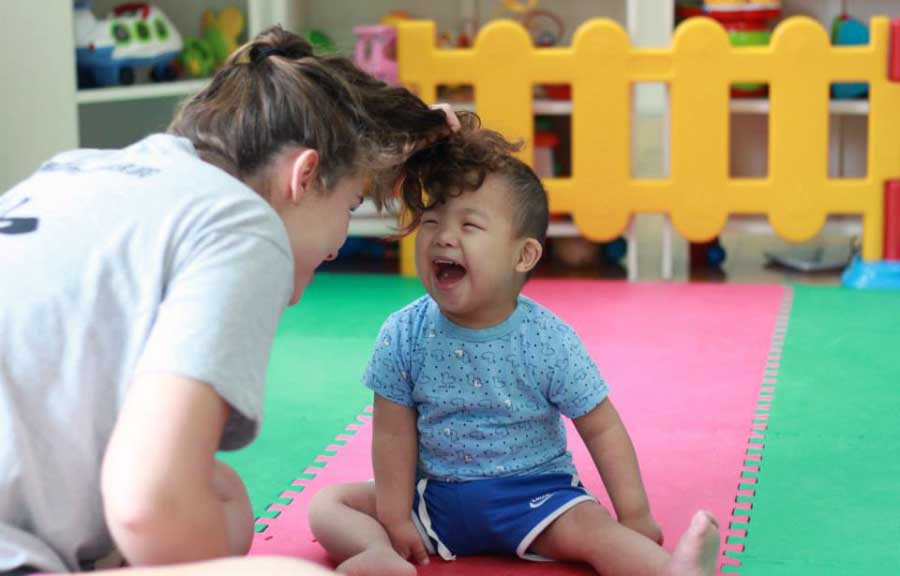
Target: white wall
[[37, 99]]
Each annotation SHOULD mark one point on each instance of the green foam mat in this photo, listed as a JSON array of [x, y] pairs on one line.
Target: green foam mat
[[827, 499], [313, 388]]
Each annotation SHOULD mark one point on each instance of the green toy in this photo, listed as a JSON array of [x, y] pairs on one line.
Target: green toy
[[201, 56], [321, 42]]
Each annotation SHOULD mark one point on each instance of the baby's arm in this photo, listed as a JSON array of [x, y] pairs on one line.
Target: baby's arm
[[166, 499], [607, 440], [394, 457]]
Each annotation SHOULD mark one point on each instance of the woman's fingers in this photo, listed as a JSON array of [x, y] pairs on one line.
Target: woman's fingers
[[452, 119]]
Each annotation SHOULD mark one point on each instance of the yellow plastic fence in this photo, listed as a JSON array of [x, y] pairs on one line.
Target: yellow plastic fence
[[799, 65]]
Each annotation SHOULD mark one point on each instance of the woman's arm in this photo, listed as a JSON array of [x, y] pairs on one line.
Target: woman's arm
[[166, 499]]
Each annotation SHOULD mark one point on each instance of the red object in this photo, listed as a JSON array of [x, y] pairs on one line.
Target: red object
[[753, 93], [892, 220], [894, 64], [745, 15], [546, 140], [133, 7], [745, 25], [729, 15], [689, 11], [558, 91]]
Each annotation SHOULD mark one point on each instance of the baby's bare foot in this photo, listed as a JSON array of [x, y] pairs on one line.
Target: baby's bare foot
[[377, 561], [698, 549]]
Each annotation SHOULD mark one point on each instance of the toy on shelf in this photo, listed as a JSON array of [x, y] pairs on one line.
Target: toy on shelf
[[847, 31], [747, 22], [219, 37], [134, 35], [320, 41], [376, 51], [546, 28], [545, 146]]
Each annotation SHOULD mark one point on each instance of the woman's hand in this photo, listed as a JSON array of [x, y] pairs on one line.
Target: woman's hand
[[452, 119], [407, 542], [450, 127]]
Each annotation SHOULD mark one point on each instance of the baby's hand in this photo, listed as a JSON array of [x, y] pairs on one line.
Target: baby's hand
[[646, 525], [407, 542]]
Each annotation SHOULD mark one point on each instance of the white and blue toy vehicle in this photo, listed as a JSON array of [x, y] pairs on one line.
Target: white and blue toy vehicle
[[134, 35]]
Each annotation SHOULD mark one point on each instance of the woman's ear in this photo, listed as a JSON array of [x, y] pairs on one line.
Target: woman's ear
[[304, 173], [529, 255]]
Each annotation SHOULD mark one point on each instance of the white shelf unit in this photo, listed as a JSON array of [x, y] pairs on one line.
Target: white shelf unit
[[45, 113], [115, 116], [153, 103], [179, 88], [337, 19]]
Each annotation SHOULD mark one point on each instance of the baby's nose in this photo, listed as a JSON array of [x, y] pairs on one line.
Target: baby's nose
[[445, 237]]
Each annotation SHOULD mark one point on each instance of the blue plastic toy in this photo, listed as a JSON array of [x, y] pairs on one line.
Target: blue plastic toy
[[134, 35], [847, 31]]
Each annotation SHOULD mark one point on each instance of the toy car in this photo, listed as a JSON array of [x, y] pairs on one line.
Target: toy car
[[134, 35]]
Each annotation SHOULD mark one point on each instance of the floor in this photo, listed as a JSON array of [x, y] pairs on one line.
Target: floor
[[821, 469]]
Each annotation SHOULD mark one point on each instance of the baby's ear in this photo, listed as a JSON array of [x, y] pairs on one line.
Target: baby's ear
[[529, 255]]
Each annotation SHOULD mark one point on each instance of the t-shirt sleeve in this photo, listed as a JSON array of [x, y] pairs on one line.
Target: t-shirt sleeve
[[576, 386], [217, 321], [388, 372]]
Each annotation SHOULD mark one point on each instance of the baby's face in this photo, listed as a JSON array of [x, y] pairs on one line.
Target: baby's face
[[466, 253]]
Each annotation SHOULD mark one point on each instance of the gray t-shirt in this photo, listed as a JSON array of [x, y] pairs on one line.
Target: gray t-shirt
[[115, 263]]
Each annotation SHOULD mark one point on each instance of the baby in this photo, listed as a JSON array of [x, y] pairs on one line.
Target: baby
[[469, 450]]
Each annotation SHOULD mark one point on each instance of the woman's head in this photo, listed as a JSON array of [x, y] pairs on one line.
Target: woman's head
[[305, 132]]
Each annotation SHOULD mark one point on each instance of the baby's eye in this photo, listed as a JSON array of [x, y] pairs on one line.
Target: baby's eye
[[472, 226], [428, 221]]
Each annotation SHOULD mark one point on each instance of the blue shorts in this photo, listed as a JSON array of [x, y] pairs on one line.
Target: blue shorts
[[492, 516]]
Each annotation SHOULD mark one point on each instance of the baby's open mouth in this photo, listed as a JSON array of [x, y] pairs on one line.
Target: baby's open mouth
[[447, 271]]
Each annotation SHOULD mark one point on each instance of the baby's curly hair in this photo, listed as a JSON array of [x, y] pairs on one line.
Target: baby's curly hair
[[460, 163]]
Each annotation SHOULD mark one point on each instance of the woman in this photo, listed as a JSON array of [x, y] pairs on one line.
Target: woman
[[140, 294]]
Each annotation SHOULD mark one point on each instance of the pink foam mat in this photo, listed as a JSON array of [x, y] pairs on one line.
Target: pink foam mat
[[684, 362]]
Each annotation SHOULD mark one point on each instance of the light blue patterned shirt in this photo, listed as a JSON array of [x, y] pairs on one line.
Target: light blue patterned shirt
[[488, 401]]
